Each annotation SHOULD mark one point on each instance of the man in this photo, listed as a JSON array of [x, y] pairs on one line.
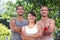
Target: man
[[46, 23], [17, 23]]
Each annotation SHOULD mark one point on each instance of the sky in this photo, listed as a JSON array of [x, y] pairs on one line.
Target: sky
[[2, 4], [4, 1]]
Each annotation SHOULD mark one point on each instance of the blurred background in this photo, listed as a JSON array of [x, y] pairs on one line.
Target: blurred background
[[8, 10]]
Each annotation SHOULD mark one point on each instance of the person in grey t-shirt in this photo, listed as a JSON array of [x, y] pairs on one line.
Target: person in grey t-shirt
[[17, 23]]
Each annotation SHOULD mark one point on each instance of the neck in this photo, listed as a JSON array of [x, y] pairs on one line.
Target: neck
[[31, 23], [20, 18], [44, 18]]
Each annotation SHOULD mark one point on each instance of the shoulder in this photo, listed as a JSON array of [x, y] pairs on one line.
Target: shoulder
[[52, 21], [12, 19], [23, 28]]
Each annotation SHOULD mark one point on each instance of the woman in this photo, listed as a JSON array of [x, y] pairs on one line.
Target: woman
[[33, 30]]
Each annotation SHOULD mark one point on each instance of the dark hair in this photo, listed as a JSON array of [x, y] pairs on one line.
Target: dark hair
[[18, 6], [45, 6], [33, 14]]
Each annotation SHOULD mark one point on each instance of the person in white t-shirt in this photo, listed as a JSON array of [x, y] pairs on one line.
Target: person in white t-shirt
[[32, 31]]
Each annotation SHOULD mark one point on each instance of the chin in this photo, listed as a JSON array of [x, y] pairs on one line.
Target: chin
[[44, 16], [20, 14]]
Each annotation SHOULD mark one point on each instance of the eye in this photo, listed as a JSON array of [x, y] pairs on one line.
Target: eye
[[42, 10], [46, 10], [18, 8], [29, 15], [21, 8]]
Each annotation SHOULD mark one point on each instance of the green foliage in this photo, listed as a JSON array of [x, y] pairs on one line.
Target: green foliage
[[4, 32], [57, 33], [34, 5]]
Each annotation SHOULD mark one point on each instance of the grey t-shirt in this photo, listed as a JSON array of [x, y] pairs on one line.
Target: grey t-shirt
[[16, 36]]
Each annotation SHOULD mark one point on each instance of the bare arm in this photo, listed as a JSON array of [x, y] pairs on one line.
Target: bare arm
[[14, 27], [24, 35], [23, 31], [51, 26]]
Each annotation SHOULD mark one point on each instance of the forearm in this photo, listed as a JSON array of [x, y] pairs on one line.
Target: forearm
[[50, 32], [16, 29], [26, 37], [24, 34], [35, 35], [51, 27]]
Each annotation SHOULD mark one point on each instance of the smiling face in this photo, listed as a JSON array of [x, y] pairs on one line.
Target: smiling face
[[20, 10], [44, 11], [31, 18]]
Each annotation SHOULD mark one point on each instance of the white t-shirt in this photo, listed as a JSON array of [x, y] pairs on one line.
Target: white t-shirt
[[31, 31]]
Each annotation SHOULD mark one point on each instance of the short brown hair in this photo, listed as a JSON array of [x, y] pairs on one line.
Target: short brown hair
[[18, 6], [45, 6]]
